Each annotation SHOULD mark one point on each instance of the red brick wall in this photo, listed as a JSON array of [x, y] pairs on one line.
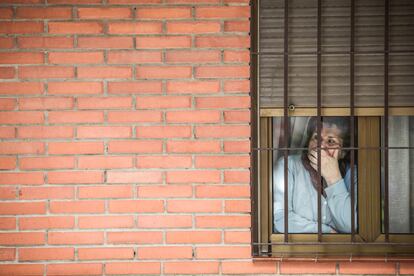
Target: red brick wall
[[125, 140]]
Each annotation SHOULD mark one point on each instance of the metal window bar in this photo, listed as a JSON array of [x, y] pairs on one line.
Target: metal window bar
[[286, 118], [352, 92]]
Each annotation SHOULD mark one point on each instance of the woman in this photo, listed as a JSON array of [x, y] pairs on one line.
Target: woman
[[303, 182]]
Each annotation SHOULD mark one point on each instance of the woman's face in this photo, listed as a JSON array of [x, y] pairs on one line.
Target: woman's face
[[330, 139]]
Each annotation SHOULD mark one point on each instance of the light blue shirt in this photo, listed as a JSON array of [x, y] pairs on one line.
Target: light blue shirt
[[303, 198]]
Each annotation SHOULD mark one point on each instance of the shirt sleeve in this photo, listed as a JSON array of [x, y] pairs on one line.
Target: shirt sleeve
[[338, 197], [296, 223]]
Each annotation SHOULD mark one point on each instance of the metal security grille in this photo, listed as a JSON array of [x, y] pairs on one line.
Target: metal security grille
[[328, 54]]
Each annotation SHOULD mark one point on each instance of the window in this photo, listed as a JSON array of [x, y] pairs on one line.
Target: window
[[320, 66]]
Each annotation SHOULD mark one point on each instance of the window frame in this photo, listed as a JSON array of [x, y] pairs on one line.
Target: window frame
[[369, 241]]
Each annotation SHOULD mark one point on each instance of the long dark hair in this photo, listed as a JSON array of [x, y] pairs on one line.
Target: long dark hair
[[343, 124]]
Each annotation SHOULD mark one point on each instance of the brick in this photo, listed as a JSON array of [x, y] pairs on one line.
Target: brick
[[406, 268], [222, 72], [21, 58], [6, 42], [107, 13], [107, 191], [163, 13], [6, 13], [222, 42], [22, 269], [163, 72], [105, 253], [7, 163], [105, 42], [21, 117], [75, 27], [74, 117], [223, 102], [134, 117], [196, 146], [75, 269], [223, 12], [133, 57], [165, 252], [26, 238], [76, 238], [72, 2], [7, 254], [194, 206], [7, 73], [193, 87], [22, 148], [46, 193], [163, 191], [223, 252], [109, 72], [21, 27], [237, 26], [193, 27], [193, 57], [105, 103], [76, 57], [22, 208], [237, 177], [308, 267], [237, 56], [223, 221], [105, 162], [134, 146], [220, 161], [75, 88], [7, 104], [364, 268], [192, 237], [237, 86], [136, 237], [44, 13], [76, 148], [164, 162], [139, 87], [46, 222], [237, 146], [165, 221], [237, 206], [237, 237], [75, 177], [133, 268], [7, 132], [136, 206], [104, 132], [163, 102], [163, 42], [46, 103], [242, 191], [164, 132], [38, 163], [21, 88], [45, 132], [193, 176], [248, 267], [194, 2], [46, 72], [8, 193], [191, 267], [135, 2], [21, 178], [106, 222], [84, 206], [237, 116], [44, 42], [135, 28], [134, 177], [198, 116], [46, 254], [223, 131], [7, 223]]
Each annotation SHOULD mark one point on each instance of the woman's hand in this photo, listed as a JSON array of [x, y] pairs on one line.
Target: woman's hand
[[329, 164]]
